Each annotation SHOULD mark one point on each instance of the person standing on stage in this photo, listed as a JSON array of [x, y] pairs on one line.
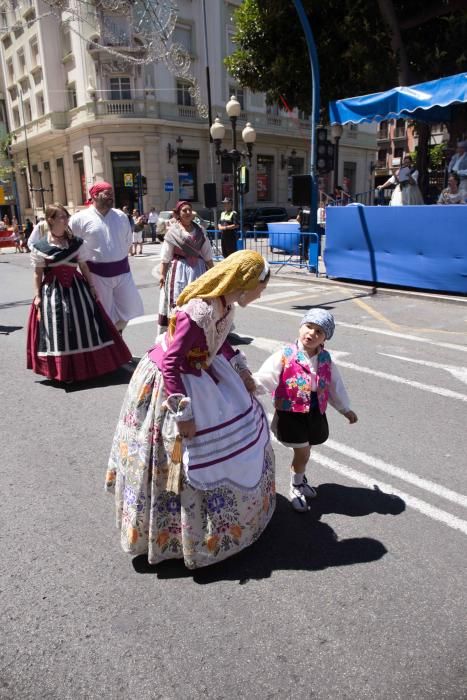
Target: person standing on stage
[[458, 165], [228, 226], [108, 235]]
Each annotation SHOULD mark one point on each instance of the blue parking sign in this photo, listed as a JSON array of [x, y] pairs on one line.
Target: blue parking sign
[[168, 186]]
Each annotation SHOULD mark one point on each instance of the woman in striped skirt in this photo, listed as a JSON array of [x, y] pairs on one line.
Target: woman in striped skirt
[[70, 337]]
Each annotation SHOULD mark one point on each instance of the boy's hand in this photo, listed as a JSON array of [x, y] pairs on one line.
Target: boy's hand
[[351, 416], [248, 380]]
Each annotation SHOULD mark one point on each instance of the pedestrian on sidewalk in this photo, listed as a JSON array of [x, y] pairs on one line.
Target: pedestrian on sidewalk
[[191, 463], [229, 227], [303, 379], [153, 218]]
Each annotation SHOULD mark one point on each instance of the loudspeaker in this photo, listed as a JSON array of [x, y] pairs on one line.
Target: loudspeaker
[[210, 196], [301, 190]]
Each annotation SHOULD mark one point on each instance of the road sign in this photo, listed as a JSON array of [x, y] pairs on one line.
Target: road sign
[[168, 186]]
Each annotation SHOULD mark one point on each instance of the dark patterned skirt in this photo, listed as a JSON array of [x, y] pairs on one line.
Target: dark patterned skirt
[[71, 338]]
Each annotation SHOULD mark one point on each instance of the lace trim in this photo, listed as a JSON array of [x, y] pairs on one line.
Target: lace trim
[[213, 319]]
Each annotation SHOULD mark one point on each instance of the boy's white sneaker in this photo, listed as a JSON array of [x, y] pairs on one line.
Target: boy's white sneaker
[[299, 493]]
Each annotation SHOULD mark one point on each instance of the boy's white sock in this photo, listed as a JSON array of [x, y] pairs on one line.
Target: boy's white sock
[[297, 479]]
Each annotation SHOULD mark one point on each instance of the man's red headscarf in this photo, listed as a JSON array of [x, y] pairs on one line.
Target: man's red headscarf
[[99, 187]]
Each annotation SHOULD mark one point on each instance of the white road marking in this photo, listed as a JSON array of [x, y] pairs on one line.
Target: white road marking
[[149, 318], [369, 329], [437, 390], [432, 512], [281, 295], [270, 345], [457, 372], [403, 474]]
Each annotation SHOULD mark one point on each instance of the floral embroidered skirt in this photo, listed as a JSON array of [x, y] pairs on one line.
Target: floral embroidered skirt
[[179, 275], [200, 526]]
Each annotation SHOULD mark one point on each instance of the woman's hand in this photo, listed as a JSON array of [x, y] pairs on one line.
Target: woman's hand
[[248, 380], [36, 301], [161, 282], [93, 292], [186, 428]]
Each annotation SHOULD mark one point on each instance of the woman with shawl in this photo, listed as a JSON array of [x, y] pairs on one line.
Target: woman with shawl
[[191, 464], [70, 337], [185, 255]]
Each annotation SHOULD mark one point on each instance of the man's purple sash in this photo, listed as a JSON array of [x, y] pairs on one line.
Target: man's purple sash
[[109, 269]]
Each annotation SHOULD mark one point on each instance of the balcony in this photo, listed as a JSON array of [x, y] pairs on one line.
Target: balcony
[[125, 108]]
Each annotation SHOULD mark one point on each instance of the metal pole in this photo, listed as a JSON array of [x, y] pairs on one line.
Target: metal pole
[[336, 164], [208, 88], [235, 160], [315, 85]]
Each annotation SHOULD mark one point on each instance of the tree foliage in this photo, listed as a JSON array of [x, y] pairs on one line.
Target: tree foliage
[[356, 46]]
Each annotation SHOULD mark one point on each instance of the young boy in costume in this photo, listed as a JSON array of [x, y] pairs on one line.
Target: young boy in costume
[[302, 379]]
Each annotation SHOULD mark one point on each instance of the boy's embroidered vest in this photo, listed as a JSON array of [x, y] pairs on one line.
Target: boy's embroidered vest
[[294, 390]]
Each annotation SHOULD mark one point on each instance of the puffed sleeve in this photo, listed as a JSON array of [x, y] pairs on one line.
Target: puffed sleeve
[[37, 260], [338, 397], [167, 252]]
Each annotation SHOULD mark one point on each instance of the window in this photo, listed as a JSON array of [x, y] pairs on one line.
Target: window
[[398, 153], [239, 94], [3, 20], [187, 175], [400, 128], [10, 71], [27, 111], [382, 157], [264, 173], [383, 130], [183, 96], [182, 35], [25, 188], [21, 62], [40, 105], [71, 96], [120, 88], [349, 176], [34, 48], [16, 120]]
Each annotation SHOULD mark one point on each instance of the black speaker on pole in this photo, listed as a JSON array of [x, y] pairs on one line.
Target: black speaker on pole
[[301, 190], [210, 196]]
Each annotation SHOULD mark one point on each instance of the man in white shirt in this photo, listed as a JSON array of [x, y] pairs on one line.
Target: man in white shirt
[[108, 237], [458, 165], [153, 218]]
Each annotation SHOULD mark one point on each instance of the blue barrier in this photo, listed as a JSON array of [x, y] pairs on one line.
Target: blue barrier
[[424, 247]]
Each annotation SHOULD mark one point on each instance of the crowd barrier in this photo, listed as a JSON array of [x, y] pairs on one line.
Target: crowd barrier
[[281, 245], [424, 247]]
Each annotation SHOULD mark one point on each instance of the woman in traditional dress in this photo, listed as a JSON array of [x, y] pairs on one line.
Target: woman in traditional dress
[[452, 194], [185, 255], [191, 463], [406, 191], [70, 337]]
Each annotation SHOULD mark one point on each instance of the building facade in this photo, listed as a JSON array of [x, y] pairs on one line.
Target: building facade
[[79, 112]]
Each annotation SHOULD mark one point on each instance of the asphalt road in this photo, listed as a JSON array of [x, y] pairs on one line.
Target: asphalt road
[[362, 597]]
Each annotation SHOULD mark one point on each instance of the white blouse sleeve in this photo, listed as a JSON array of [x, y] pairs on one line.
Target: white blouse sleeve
[[392, 179], [268, 376], [414, 175], [338, 397], [167, 252], [36, 259]]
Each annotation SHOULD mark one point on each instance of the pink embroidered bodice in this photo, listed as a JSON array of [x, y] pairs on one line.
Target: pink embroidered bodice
[[295, 385]]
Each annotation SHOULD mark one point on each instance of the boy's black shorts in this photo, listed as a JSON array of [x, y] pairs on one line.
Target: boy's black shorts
[[300, 429]]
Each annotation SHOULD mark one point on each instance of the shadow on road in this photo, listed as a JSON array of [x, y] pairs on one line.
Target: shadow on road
[[6, 330], [120, 376], [294, 541]]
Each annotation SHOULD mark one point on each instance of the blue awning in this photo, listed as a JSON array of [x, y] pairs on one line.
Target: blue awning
[[429, 102]]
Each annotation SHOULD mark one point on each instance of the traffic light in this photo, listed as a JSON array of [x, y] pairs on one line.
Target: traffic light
[[141, 185], [144, 185], [325, 157], [243, 179]]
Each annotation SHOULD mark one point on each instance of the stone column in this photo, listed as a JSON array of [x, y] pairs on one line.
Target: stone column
[[150, 168], [96, 164]]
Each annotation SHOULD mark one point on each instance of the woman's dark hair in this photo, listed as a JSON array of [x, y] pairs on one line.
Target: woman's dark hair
[[456, 178]]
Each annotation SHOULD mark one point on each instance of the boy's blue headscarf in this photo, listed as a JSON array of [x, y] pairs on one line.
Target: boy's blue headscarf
[[322, 318]]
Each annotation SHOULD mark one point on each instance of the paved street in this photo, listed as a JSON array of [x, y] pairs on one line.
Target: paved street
[[364, 597]]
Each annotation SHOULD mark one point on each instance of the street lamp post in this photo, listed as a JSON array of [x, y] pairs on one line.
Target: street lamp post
[[217, 131], [336, 133]]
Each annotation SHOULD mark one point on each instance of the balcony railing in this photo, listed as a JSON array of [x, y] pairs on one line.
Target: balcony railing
[[120, 107]]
